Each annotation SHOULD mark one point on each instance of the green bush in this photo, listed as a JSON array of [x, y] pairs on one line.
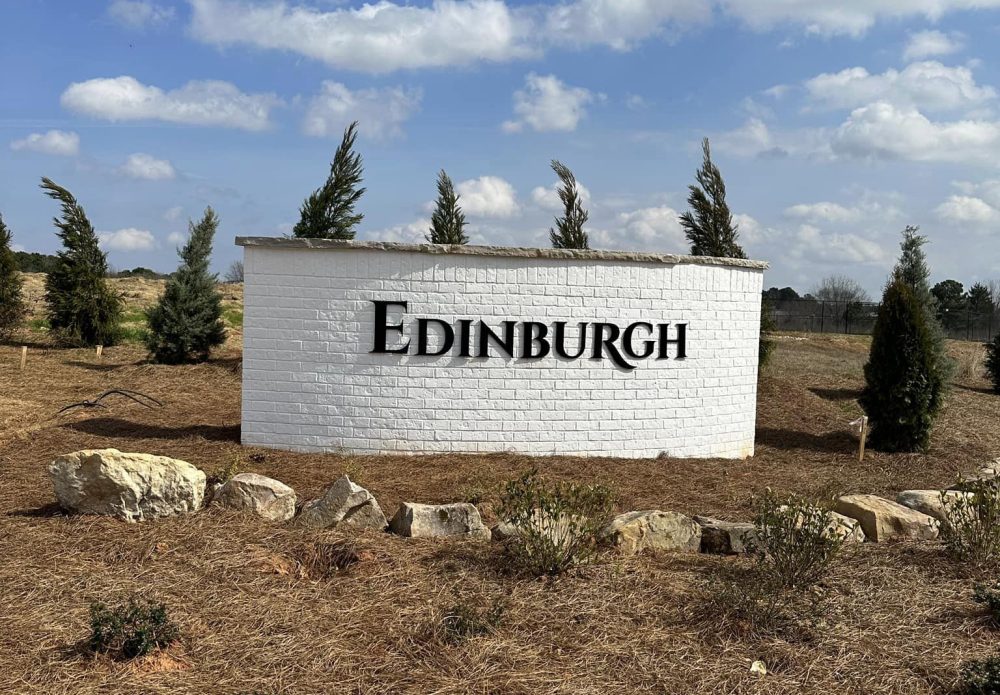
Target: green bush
[[993, 362], [130, 629], [554, 526], [899, 393], [981, 676], [989, 596], [464, 620], [765, 344], [794, 542], [972, 527], [12, 307]]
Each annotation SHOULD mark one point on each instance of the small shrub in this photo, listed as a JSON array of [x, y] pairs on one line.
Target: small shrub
[[322, 560], [981, 676], [131, 629], [794, 544], [972, 528], [992, 363], [989, 596], [464, 620], [752, 603], [555, 526]]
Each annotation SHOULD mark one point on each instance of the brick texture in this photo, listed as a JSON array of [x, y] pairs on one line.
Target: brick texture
[[310, 382]]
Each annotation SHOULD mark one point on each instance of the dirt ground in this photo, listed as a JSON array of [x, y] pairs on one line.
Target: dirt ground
[[900, 617]]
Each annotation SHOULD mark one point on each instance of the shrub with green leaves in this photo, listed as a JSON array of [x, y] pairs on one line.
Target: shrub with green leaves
[[900, 395], [794, 542], [12, 307], [465, 620], [989, 596], [554, 526], [981, 676], [187, 323], [972, 522], [992, 363], [130, 629]]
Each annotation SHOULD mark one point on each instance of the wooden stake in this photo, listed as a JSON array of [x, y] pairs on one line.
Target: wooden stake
[[24, 355], [100, 351], [864, 438]]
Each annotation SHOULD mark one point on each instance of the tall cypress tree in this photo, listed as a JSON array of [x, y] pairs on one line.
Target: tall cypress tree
[[709, 224], [12, 307], [448, 220], [186, 323], [328, 213], [569, 233], [912, 270], [82, 308]]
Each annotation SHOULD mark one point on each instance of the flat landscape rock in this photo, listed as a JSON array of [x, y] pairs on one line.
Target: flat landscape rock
[[724, 537], [345, 502], [929, 502], [265, 497], [438, 521], [133, 487], [634, 532], [883, 519]]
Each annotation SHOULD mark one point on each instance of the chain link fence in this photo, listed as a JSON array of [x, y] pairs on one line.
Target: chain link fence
[[858, 318]]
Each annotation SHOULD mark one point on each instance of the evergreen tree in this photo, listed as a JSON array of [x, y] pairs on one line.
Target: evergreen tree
[[979, 299], [186, 323], [82, 308], [993, 362], [448, 220], [328, 213], [569, 233], [12, 307], [912, 270], [900, 396], [709, 224]]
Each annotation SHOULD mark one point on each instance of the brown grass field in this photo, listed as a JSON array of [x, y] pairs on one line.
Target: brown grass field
[[899, 619]]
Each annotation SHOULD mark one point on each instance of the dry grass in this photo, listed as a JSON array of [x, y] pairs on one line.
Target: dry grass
[[278, 609]]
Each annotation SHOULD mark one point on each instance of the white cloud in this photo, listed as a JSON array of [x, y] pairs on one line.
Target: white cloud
[[546, 104], [926, 85], [488, 196], [378, 37], [635, 102], [129, 239], [173, 214], [655, 228], [147, 167], [618, 24], [926, 44], [57, 142], [412, 233], [207, 102], [139, 14], [380, 112], [548, 198], [812, 244], [177, 238], [823, 212], [967, 210]]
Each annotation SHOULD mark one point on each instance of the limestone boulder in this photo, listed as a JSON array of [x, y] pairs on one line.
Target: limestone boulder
[[844, 527], [724, 537], [883, 519], [634, 532], [257, 494], [345, 502], [929, 502], [133, 487], [438, 520]]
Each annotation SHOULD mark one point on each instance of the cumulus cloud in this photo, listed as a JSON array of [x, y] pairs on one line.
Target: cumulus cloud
[[177, 238], [652, 229], [546, 104], [926, 44], [547, 198], [57, 142], [617, 24], [380, 112], [147, 167], [968, 210], [412, 233], [926, 85], [140, 14], [129, 239], [810, 243], [206, 103], [488, 196], [824, 211]]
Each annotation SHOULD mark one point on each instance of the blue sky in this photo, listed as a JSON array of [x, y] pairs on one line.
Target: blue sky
[[835, 123]]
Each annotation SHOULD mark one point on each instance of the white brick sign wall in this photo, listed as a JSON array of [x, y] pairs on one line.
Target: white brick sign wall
[[312, 382]]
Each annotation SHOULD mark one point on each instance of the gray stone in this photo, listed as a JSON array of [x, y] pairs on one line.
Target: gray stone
[[883, 519], [133, 487], [345, 502], [929, 502], [634, 532], [724, 537], [438, 520], [845, 528], [265, 497]]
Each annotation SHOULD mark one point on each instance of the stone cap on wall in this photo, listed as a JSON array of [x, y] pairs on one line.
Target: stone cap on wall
[[508, 251]]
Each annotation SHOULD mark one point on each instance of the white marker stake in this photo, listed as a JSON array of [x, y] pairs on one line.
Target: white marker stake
[[864, 437], [100, 351], [24, 355]]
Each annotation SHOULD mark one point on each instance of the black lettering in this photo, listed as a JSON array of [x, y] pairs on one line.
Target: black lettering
[[529, 340], [486, 334], [382, 329], [464, 337], [680, 341], [627, 341], [447, 337], [601, 343], [560, 340]]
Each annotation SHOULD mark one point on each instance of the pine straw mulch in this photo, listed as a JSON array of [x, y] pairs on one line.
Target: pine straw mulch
[[259, 612]]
